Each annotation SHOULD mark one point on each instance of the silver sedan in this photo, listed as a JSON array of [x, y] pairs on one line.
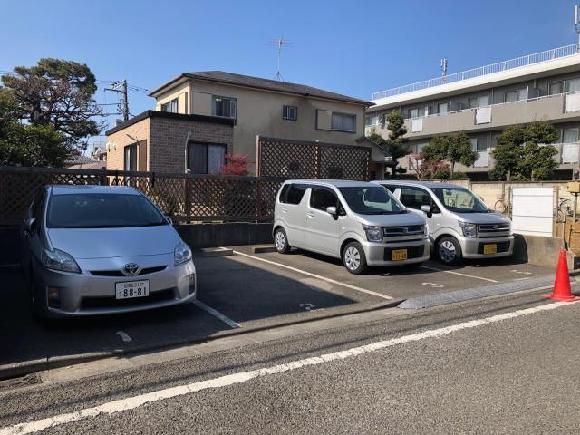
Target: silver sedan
[[100, 250]]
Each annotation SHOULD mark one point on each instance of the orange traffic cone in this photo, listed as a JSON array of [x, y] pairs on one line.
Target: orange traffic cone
[[562, 291]]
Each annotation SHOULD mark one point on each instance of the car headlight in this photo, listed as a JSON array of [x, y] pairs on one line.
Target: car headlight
[[374, 234], [182, 254], [59, 260], [469, 230]]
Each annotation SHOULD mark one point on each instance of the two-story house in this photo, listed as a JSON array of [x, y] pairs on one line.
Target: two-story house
[[485, 101], [261, 107]]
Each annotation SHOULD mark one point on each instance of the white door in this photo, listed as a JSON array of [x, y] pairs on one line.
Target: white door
[[322, 227], [293, 213]]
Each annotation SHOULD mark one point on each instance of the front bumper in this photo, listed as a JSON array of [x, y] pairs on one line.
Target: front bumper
[[377, 254], [473, 247], [86, 294]]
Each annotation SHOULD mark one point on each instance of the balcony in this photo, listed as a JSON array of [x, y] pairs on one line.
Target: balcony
[[556, 107]]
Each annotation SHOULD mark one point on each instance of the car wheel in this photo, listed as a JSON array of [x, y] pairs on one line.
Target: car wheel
[[353, 258], [281, 241], [449, 251]]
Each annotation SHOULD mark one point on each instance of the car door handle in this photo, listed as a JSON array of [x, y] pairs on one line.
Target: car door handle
[[310, 215]]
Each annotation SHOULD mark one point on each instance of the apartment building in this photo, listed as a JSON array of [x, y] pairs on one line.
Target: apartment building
[[484, 101], [262, 107]]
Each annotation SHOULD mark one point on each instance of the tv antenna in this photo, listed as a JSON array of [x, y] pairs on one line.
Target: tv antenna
[[577, 25], [280, 42], [443, 66]]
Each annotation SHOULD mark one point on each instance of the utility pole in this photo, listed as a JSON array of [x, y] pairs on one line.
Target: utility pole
[[121, 88]]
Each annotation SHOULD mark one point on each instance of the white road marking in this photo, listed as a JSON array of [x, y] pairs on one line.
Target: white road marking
[[521, 273], [460, 274], [323, 278], [134, 402], [126, 338], [431, 284], [217, 314]]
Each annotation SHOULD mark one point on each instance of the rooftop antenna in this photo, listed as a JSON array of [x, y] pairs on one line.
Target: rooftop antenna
[[280, 42], [443, 66], [577, 25]]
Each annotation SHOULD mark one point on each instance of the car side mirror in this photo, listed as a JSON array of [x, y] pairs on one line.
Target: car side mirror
[[427, 210], [29, 225], [332, 211]]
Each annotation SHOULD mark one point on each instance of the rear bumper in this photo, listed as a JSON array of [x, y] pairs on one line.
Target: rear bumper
[[377, 254], [473, 247], [85, 294]]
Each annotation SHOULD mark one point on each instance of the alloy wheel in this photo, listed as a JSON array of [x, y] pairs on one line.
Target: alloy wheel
[[280, 241], [352, 258], [447, 251]]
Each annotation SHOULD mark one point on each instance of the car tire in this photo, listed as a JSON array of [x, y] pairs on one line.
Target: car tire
[[448, 251], [281, 241], [353, 258]]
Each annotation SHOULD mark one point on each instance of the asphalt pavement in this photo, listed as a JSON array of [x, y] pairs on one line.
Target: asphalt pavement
[[503, 365]]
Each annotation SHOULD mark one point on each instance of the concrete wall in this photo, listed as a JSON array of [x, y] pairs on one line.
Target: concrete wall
[[259, 112]]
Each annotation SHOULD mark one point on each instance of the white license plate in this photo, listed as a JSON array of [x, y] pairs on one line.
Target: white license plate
[[131, 289]]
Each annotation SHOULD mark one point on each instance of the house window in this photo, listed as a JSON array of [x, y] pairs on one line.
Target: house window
[[343, 122], [443, 108], [130, 157], [224, 107], [556, 87], [290, 113], [414, 113], [516, 95], [205, 158], [171, 106], [371, 120]]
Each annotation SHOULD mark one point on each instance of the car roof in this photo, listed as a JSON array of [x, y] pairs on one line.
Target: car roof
[[69, 189], [427, 184], [331, 183]]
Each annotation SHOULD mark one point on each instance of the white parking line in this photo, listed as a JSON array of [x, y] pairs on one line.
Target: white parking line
[[135, 402], [217, 314], [323, 278], [460, 274]]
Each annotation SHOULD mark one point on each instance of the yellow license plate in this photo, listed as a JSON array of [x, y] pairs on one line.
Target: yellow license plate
[[489, 249], [398, 254]]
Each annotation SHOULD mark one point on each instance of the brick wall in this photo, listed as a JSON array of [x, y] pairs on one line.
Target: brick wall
[[135, 133], [168, 139], [161, 139]]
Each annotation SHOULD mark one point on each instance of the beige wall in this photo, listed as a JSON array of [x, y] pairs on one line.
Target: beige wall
[[260, 113], [116, 142], [182, 93]]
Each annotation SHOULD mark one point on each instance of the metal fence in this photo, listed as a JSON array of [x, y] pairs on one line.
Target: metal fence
[[493, 68], [304, 159], [185, 198]]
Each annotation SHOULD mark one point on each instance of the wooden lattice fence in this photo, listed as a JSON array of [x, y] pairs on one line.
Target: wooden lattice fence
[[186, 198], [303, 159]]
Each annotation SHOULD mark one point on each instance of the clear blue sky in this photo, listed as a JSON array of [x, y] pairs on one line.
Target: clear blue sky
[[352, 47]]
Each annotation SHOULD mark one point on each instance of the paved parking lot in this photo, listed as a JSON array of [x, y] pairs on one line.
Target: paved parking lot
[[238, 293]]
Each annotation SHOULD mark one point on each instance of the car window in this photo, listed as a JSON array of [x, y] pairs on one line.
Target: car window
[[371, 200], [460, 200], [414, 197], [102, 210], [321, 198], [293, 193]]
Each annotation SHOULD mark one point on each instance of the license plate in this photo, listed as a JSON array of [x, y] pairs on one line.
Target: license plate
[[490, 249], [398, 254], [131, 289]]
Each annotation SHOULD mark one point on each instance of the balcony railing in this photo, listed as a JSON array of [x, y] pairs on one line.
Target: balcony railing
[[533, 58]]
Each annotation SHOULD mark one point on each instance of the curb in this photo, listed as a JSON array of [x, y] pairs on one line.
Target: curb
[[432, 300], [214, 252], [263, 249], [14, 370]]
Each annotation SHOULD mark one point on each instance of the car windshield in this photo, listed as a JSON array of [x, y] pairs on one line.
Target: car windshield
[[460, 200], [102, 210], [371, 200]]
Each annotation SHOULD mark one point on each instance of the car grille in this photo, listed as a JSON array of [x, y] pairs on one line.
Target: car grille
[[411, 230], [412, 252], [117, 272], [492, 229], [501, 247], [112, 302]]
